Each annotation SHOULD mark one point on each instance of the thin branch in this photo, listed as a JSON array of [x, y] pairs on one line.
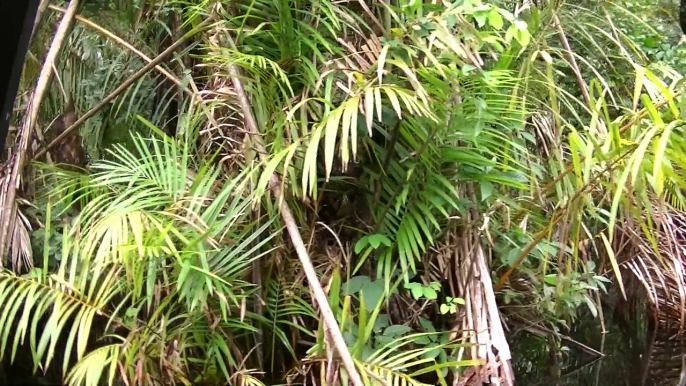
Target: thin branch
[[39, 16], [8, 195], [572, 60], [193, 91], [373, 18], [142, 72], [131, 48], [545, 332], [575, 67], [548, 188], [330, 324]]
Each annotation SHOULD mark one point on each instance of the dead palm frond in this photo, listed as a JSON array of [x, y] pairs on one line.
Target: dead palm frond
[[659, 263]]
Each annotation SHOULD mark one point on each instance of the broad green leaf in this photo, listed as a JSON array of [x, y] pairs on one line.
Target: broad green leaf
[[361, 244], [373, 292], [396, 330], [355, 284], [486, 190], [416, 289], [495, 20], [430, 293]]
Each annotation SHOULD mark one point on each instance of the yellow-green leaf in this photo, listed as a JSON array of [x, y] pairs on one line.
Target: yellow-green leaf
[[332, 122], [658, 173], [613, 261], [394, 102], [381, 63], [369, 109]]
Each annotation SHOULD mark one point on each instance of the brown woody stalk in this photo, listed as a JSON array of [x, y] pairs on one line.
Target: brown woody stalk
[[583, 86], [130, 47], [123, 87], [39, 16], [572, 60], [331, 327]]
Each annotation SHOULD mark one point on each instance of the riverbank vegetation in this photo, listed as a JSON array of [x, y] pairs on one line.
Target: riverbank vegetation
[[261, 192]]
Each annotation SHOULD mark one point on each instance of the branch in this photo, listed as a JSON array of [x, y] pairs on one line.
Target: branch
[[561, 214], [8, 195], [142, 72], [39, 16], [193, 91], [131, 48], [575, 67], [572, 61], [330, 323], [548, 188], [373, 18]]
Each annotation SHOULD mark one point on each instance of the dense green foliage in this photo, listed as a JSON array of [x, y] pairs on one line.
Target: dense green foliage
[[403, 134]]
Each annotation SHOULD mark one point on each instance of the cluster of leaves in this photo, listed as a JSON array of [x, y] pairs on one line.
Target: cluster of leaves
[[374, 340], [654, 29]]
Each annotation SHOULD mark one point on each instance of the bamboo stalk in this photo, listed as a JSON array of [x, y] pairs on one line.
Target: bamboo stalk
[[572, 60], [39, 16], [330, 324], [331, 328], [129, 47], [8, 195], [142, 72]]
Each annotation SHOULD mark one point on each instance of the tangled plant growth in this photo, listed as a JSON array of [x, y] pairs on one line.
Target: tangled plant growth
[[433, 156]]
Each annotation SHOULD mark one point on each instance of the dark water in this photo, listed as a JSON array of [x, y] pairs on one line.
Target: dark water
[[636, 352]]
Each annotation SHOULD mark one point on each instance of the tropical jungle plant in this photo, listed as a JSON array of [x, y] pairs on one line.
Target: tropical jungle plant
[[325, 192]]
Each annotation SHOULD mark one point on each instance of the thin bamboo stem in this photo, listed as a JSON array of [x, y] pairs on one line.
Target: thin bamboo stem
[[331, 328], [572, 60], [39, 16], [123, 87], [330, 324], [371, 15], [130, 47]]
